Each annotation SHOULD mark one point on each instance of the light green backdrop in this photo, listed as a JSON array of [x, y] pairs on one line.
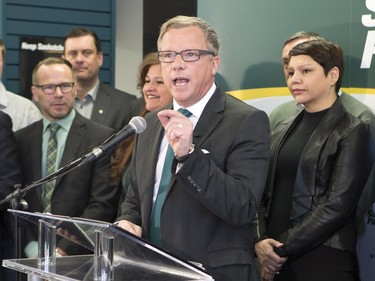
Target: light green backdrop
[[252, 33]]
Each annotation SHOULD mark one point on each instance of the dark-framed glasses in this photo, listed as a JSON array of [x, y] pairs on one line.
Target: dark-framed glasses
[[50, 89], [186, 55]]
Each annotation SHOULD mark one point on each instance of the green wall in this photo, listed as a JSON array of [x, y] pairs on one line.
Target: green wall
[[252, 34]]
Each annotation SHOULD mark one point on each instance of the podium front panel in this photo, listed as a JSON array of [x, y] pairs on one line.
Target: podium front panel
[[133, 258]]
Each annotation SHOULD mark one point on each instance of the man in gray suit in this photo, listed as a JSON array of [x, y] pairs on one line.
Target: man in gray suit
[[87, 191], [220, 152], [352, 105], [95, 100]]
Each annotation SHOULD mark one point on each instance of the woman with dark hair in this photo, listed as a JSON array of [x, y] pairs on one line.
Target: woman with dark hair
[[155, 95], [320, 162]]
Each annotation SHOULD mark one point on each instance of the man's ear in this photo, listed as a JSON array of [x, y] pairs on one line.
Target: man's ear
[[215, 64], [34, 93], [100, 58]]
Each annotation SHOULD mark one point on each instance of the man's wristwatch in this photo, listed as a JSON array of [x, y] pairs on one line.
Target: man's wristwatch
[[182, 159]]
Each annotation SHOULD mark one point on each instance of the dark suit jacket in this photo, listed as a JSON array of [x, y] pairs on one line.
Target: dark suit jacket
[[112, 107], [10, 174], [10, 170], [137, 106], [84, 192], [213, 198]]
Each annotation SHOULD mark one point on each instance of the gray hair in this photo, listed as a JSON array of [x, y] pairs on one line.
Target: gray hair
[[185, 21]]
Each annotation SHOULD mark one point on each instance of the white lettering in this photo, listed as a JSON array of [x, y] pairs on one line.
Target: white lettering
[[27, 46], [50, 47], [370, 4], [369, 49], [367, 19]]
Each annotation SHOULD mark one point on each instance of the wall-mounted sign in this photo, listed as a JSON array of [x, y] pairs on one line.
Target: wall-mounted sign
[[33, 50]]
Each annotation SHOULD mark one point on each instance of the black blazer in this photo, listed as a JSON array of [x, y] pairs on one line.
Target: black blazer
[[112, 107], [87, 191], [10, 170], [10, 174], [213, 198], [332, 171]]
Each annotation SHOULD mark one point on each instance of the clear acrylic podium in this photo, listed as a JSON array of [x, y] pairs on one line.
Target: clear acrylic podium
[[117, 254]]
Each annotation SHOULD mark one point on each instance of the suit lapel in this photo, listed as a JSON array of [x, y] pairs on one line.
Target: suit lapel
[[74, 140], [323, 131], [310, 155], [156, 134], [210, 118], [36, 142], [101, 105]]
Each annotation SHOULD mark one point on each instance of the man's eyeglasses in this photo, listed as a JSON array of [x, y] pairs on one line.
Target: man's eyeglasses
[[186, 55], [50, 89]]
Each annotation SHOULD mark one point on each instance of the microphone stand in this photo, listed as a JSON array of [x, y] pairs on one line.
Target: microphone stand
[[15, 198], [17, 202], [136, 125]]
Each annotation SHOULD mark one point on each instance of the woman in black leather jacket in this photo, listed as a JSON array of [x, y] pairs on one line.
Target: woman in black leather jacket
[[320, 162]]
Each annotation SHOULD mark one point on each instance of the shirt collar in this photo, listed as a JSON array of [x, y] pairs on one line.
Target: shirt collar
[[65, 123], [94, 91], [197, 108]]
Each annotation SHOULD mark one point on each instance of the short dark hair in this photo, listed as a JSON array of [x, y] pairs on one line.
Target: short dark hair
[[325, 53], [79, 32]]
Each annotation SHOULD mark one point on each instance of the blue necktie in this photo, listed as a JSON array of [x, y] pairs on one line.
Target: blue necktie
[[154, 230]]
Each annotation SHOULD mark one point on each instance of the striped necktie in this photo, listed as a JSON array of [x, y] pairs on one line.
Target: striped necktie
[[50, 166]]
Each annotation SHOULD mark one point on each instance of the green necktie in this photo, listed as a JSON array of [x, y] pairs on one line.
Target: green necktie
[[154, 230], [50, 166]]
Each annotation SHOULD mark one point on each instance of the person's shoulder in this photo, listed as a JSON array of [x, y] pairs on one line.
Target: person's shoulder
[[283, 112], [236, 108], [138, 102], [356, 107], [26, 131], [137, 106], [232, 100], [95, 129], [96, 126], [286, 107], [20, 99], [4, 117], [349, 99], [353, 124], [5, 121], [116, 93]]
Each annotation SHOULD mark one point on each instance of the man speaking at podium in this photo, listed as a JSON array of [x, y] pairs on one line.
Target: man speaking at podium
[[60, 137], [198, 203]]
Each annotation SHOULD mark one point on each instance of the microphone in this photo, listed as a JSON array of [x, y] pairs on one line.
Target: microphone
[[136, 126]]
